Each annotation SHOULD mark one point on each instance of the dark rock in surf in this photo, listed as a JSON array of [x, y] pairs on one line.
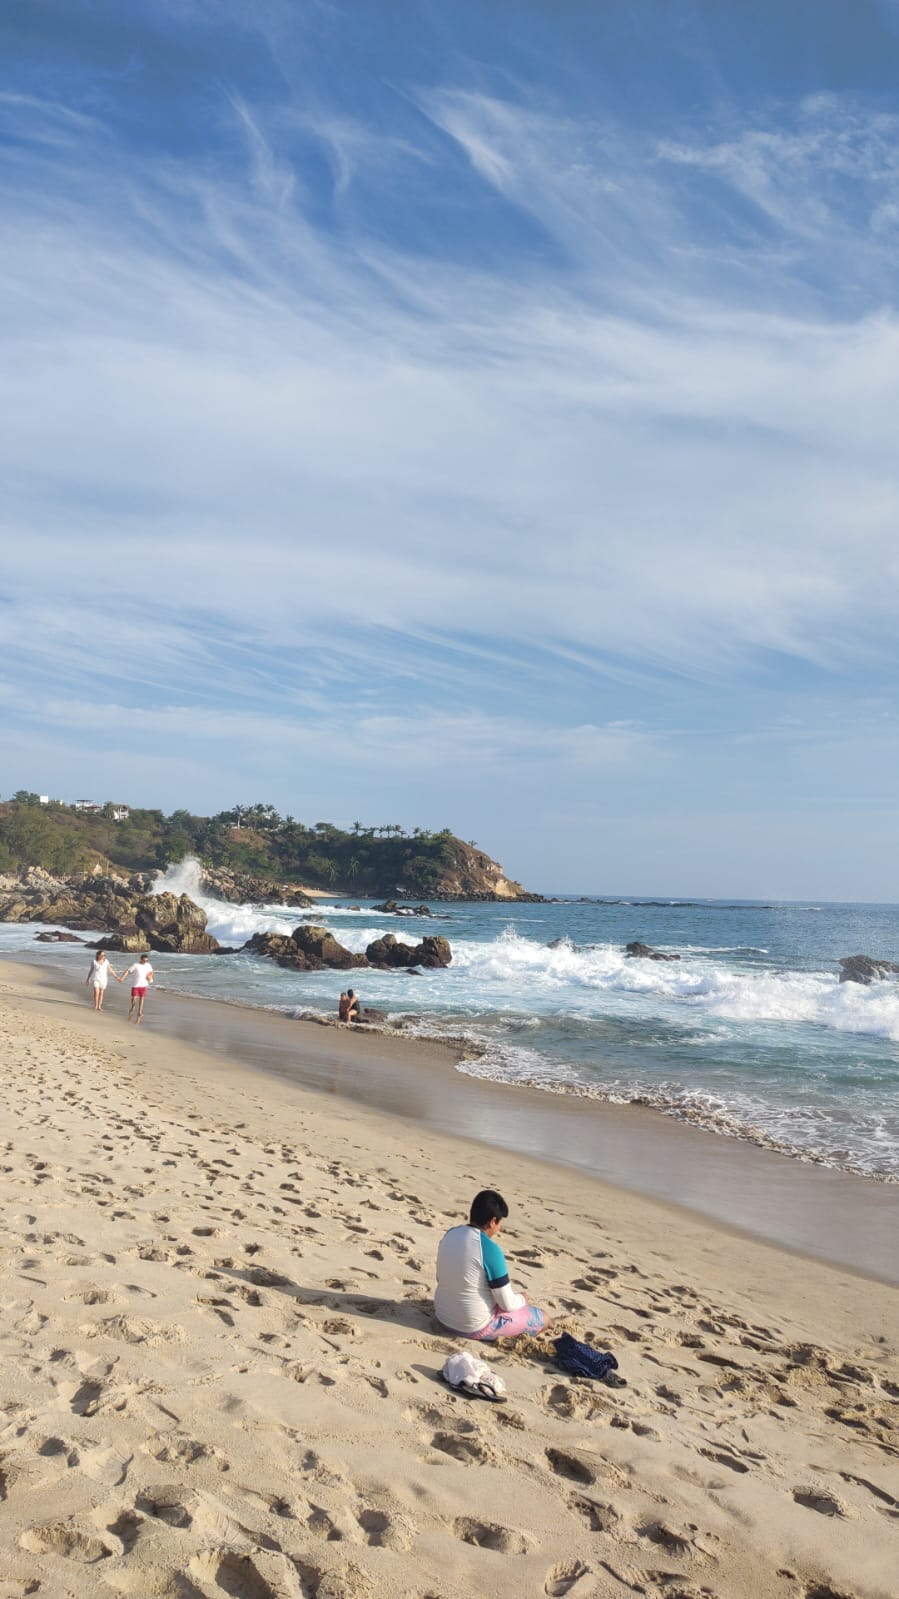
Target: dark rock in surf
[[311, 949], [57, 938], [307, 949], [391, 908], [638, 951], [174, 925], [865, 969], [388, 952]]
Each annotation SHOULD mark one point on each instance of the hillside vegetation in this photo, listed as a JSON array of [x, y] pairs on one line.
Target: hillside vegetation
[[253, 839]]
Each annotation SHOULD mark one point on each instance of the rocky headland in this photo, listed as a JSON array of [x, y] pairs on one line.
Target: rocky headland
[[130, 917]]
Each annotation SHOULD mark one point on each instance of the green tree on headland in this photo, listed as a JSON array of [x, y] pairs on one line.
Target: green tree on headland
[[368, 861]]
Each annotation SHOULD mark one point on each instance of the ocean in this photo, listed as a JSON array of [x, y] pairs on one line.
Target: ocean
[[749, 1034]]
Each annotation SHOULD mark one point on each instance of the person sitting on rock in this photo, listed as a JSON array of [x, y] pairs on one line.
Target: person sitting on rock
[[352, 1006], [343, 1009], [474, 1296]]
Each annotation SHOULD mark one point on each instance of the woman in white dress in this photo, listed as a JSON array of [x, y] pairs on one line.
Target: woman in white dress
[[99, 976]]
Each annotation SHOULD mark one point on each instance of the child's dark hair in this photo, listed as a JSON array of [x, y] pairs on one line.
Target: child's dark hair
[[487, 1206]]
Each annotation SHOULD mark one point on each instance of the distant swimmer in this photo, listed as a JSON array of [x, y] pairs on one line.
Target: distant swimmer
[[99, 976], [141, 974]]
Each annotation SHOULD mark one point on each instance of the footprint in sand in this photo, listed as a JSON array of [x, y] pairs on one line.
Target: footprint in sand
[[464, 1448], [488, 1535], [323, 1526], [230, 1572], [564, 1578], [61, 1538], [724, 1458], [567, 1401], [383, 1531], [570, 1466], [682, 1544], [826, 1504], [596, 1516], [104, 1464]]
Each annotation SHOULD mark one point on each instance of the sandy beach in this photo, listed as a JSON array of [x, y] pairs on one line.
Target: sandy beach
[[220, 1367]]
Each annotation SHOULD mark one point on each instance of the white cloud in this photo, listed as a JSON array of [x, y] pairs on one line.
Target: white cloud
[[214, 409]]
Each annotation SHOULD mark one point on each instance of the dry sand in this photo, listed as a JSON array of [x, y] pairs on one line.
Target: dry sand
[[219, 1366]]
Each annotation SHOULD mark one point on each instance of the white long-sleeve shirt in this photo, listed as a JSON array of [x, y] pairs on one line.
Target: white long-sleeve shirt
[[472, 1280]]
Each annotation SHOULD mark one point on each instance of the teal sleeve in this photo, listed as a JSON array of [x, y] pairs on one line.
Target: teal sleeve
[[494, 1262]]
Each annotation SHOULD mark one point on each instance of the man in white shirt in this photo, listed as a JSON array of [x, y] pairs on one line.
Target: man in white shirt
[[474, 1296], [141, 974]]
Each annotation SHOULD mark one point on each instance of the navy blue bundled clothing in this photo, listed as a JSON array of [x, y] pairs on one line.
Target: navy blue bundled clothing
[[581, 1360]]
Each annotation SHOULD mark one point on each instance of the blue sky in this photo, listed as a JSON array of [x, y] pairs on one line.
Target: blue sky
[[478, 415]]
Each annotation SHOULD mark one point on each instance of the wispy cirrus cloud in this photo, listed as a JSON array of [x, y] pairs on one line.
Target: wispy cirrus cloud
[[466, 403]]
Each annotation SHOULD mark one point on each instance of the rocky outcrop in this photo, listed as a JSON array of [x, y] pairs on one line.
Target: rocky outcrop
[[391, 908], [57, 938], [865, 969], [306, 949], [238, 888], [135, 919], [466, 873], [313, 949], [388, 952], [175, 924], [638, 951]]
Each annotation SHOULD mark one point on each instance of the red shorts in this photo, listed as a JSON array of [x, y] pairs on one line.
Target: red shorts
[[136, 992]]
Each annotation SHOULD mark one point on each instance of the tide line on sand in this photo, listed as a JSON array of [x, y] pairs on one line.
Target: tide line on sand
[[220, 1368]]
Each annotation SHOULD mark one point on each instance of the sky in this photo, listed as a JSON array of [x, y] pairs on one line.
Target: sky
[[478, 415]]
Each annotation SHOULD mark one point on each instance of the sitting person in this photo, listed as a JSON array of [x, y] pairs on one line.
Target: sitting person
[[474, 1296], [352, 1006], [343, 1009]]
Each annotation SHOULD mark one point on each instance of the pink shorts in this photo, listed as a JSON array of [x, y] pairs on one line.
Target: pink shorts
[[511, 1323], [136, 992]]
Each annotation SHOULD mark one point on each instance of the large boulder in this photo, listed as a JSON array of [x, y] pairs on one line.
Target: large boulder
[[312, 949], [321, 948], [638, 951], [174, 924], [865, 969], [389, 952], [307, 949]]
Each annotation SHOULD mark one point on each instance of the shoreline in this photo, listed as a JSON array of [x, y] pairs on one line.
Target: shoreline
[[810, 1210], [220, 1367]]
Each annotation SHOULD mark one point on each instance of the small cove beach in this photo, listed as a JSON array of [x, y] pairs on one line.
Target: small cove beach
[[218, 1279]]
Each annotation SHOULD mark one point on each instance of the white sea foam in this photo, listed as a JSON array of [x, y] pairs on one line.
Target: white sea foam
[[603, 978], [735, 1037], [513, 971]]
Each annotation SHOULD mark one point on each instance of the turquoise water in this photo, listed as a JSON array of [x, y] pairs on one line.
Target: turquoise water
[[750, 1034]]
